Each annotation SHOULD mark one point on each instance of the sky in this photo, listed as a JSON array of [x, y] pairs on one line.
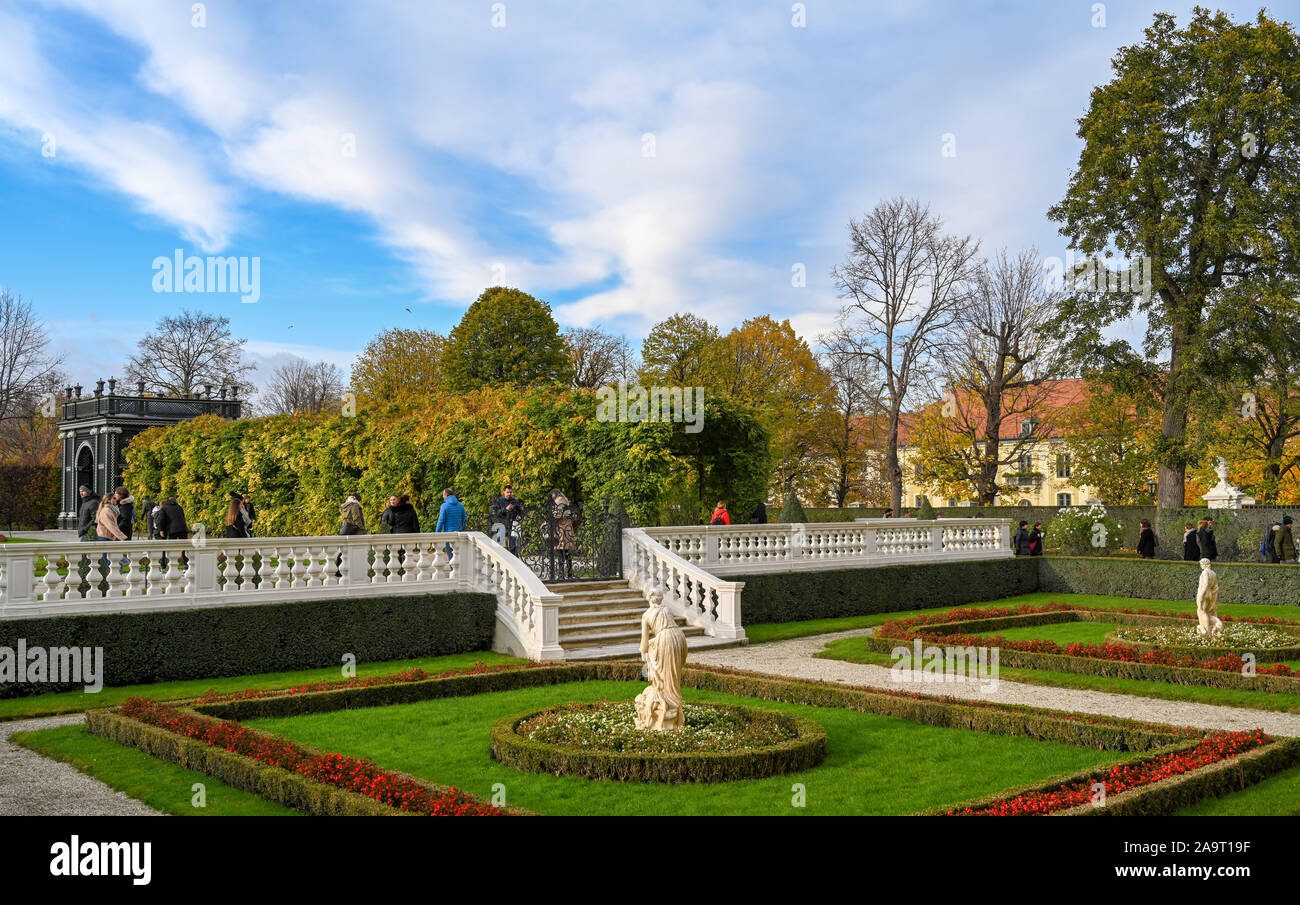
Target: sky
[[385, 162]]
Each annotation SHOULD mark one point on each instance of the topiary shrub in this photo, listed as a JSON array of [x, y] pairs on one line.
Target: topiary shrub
[[792, 511], [925, 511]]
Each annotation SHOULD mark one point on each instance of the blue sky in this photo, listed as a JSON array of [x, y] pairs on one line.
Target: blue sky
[[482, 150]]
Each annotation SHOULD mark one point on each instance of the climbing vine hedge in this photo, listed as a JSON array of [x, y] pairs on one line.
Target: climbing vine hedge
[[299, 468]]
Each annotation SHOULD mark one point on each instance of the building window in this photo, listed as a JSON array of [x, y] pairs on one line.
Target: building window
[[919, 499], [1027, 462], [1063, 500], [1027, 427], [1063, 465]]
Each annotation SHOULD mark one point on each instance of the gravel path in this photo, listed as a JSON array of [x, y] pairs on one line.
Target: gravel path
[[32, 785], [795, 659]]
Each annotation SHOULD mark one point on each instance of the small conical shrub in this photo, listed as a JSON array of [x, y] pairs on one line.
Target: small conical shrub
[[924, 511], [792, 510]]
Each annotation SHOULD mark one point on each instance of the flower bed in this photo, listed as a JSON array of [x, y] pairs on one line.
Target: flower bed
[[600, 741], [1120, 778], [1236, 636], [337, 770]]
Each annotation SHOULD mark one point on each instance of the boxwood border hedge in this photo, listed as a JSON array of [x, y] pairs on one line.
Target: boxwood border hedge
[[1084, 730], [1270, 584], [241, 640], [806, 750]]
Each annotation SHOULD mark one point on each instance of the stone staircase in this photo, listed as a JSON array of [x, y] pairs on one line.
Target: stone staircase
[[601, 620]]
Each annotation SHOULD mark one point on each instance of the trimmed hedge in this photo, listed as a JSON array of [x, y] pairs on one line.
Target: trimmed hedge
[[1260, 583], [1087, 730], [806, 750], [242, 640], [794, 596], [1159, 798]]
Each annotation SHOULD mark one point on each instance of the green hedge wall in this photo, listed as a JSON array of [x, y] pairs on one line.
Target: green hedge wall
[[1276, 584], [234, 641], [793, 596]]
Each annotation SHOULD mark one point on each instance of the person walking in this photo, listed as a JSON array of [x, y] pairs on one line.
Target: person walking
[[1269, 548], [565, 537], [1022, 539], [146, 512], [720, 514], [1286, 542], [236, 519], [106, 525], [1191, 544], [508, 519], [400, 517], [759, 515], [451, 515], [1205, 537], [169, 521], [250, 514], [125, 504], [354, 519], [87, 511], [1035, 538], [1146, 540]]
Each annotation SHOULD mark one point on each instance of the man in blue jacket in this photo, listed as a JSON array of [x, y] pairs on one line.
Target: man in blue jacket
[[451, 515]]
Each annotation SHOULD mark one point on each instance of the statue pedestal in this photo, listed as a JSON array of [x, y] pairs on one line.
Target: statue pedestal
[[1225, 496]]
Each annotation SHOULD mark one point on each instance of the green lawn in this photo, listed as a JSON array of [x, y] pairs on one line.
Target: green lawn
[[780, 631], [75, 701], [875, 765], [160, 784], [1277, 796], [855, 650]]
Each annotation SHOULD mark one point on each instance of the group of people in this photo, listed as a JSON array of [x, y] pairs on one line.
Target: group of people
[[722, 517], [1028, 541], [112, 517]]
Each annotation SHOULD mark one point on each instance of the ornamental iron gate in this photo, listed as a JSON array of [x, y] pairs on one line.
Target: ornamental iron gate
[[563, 541]]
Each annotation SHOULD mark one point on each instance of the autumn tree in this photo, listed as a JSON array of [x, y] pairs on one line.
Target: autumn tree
[[400, 365], [1112, 435], [903, 281], [186, 351], [505, 337], [679, 352], [597, 358], [998, 362], [1190, 167]]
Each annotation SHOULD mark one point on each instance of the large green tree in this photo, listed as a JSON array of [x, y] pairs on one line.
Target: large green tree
[[1189, 165], [505, 337], [679, 351]]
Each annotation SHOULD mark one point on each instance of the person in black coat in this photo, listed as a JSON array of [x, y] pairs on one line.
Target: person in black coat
[[1205, 537], [87, 512], [125, 511], [759, 515], [400, 517], [1021, 545], [1146, 541], [507, 511], [146, 510], [170, 521], [1191, 545], [1035, 538], [251, 512]]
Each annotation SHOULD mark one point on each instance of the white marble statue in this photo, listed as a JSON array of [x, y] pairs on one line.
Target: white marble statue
[[1207, 602], [663, 649]]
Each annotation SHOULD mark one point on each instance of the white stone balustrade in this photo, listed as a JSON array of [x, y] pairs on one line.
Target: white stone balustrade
[[149, 576], [742, 549], [688, 590]]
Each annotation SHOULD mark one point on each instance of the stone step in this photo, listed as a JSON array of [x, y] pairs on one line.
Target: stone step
[[604, 638], [632, 650], [596, 606], [618, 593], [615, 612], [567, 587]]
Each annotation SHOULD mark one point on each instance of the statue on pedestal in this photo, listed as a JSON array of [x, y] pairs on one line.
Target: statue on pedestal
[[663, 649], [1207, 602]]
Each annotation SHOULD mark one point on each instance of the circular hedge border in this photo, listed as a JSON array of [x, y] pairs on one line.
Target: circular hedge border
[[805, 750]]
